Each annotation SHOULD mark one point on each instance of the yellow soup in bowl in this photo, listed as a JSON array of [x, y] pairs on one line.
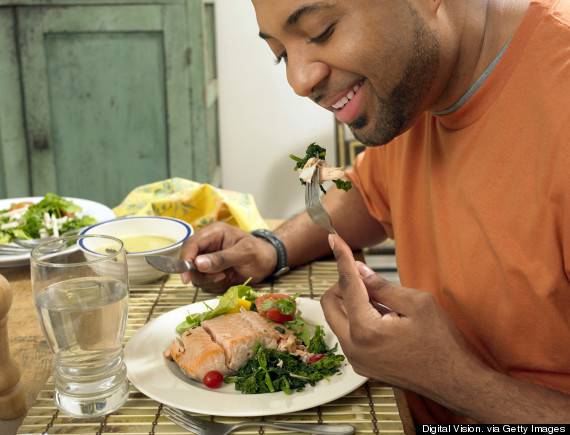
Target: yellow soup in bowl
[[139, 243]]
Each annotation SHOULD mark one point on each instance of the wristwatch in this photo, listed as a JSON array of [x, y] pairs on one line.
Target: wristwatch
[[279, 246]]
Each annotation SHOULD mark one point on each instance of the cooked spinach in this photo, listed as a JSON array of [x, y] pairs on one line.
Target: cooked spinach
[[269, 370]]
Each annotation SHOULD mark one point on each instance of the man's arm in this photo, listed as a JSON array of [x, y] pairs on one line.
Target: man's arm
[[226, 255], [305, 241]]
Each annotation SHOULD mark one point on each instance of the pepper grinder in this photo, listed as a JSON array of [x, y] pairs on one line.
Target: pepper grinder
[[12, 395]]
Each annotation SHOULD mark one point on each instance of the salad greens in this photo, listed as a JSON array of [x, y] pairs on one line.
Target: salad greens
[[269, 370], [301, 328], [227, 301], [285, 306], [29, 222]]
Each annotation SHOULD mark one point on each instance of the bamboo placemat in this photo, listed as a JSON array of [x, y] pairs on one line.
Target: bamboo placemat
[[372, 408]]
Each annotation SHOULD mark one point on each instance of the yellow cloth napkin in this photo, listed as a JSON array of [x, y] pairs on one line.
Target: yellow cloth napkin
[[195, 203]]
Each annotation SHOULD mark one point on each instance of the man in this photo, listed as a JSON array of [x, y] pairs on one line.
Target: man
[[471, 98]]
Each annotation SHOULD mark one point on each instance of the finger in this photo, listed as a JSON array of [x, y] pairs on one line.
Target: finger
[[219, 261], [188, 252], [203, 280], [335, 313], [190, 249], [207, 280], [215, 283], [204, 241], [186, 277], [249, 257], [209, 239], [352, 289], [399, 299]]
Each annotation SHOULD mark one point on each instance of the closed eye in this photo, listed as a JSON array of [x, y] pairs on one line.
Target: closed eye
[[316, 40], [323, 36]]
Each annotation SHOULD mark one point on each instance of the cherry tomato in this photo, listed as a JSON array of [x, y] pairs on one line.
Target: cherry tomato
[[275, 312], [315, 358], [213, 379], [21, 204]]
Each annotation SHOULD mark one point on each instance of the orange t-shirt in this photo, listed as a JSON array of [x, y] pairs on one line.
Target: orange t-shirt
[[478, 202]]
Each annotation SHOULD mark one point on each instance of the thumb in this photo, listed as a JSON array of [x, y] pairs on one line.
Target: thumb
[[382, 290]]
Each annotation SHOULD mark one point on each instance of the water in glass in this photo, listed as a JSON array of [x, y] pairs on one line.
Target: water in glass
[[82, 306]]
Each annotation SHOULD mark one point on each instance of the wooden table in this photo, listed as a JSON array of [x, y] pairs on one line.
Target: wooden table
[[372, 403]]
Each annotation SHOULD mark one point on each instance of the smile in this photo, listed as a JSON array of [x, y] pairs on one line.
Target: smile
[[342, 102]]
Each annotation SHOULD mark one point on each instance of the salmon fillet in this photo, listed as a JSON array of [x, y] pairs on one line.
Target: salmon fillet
[[273, 338], [270, 337], [196, 354], [224, 343], [235, 335]]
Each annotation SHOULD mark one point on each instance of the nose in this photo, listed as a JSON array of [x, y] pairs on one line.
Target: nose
[[304, 74]]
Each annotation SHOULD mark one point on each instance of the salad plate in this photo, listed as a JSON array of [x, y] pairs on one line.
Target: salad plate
[[90, 208], [162, 380]]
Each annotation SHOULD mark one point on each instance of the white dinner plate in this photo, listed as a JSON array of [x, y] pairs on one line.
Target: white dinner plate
[[90, 208], [162, 380]]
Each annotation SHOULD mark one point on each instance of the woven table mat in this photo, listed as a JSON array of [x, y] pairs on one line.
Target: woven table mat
[[372, 408]]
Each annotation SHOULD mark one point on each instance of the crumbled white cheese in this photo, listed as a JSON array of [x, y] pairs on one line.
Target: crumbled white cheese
[[18, 211], [9, 225]]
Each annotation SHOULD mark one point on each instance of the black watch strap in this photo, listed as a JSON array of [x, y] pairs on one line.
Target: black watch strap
[[279, 246]]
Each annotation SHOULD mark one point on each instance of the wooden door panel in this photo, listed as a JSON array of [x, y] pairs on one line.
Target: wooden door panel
[[203, 73], [107, 112], [14, 179], [106, 94]]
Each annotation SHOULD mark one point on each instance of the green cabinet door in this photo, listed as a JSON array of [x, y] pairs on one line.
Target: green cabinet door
[[14, 176], [109, 98], [204, 77]]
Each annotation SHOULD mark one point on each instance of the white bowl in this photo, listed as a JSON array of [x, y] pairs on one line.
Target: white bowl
[[140, 272]]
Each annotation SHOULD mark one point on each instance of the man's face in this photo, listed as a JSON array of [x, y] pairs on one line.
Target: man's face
[[371, 62]]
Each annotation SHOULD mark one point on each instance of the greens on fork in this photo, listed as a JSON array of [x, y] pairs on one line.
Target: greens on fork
[[315, 156]]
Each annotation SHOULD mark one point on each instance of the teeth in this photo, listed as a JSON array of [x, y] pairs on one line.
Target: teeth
[[342, 102]]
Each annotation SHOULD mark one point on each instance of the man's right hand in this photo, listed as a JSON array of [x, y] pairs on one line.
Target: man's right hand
[[226, 255]]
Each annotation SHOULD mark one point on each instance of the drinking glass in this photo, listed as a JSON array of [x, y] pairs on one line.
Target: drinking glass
[[81, 294]]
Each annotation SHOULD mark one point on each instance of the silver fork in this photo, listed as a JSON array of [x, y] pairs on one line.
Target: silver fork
[[319, 215], [13, 250], [32, 243], [207, 427], [313, 203]]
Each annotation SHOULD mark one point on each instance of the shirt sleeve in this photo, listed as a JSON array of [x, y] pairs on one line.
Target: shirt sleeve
[[369, 176]]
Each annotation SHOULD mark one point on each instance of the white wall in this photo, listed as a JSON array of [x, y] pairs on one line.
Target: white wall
[[262, 120]]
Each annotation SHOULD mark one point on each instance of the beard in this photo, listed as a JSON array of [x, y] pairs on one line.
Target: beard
[[400, 108]]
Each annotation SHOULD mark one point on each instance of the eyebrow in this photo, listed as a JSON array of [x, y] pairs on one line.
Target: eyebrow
[[298, 14]]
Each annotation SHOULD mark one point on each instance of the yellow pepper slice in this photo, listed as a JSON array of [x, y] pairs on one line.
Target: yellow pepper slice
[[241, 303]]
